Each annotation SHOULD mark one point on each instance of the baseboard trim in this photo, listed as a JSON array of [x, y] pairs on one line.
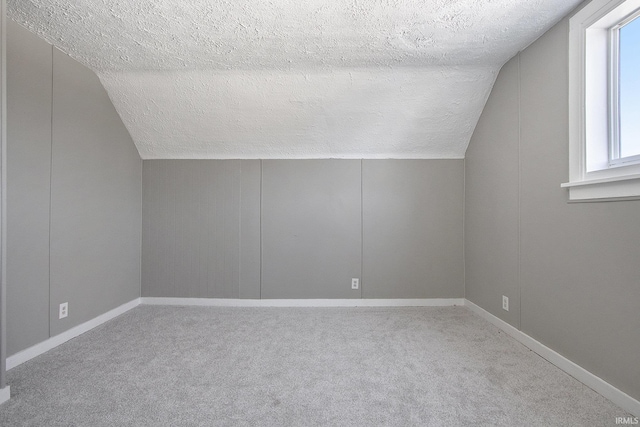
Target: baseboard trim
[[5, 394], [224, 302], [40, 348], [615, 395]]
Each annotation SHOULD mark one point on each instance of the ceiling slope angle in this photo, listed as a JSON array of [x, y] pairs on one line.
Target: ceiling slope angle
[[219, 79]]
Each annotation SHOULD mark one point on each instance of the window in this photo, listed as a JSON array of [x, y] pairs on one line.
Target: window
[[604, 101], [626, 88]]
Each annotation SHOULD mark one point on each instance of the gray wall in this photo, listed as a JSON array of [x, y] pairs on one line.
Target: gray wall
[[201, 228], [491, 201], [412, 228], [311, 228], [296, 228], [29, 187], [578, 280], [3, 194], [74, 189]]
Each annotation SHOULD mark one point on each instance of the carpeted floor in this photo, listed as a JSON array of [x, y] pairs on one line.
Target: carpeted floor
[[204, 366]]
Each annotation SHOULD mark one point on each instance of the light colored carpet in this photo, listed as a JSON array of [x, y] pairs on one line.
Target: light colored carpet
[[203, 366]]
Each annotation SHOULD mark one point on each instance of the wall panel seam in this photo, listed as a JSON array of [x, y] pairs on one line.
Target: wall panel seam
[[260, 231], [464, 219], [361, 228], [3, 194], [50, 181], [240, 204], [141, 224], [519, 257]]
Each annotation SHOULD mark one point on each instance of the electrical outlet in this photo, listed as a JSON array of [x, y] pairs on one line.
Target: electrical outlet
[[355, 283], [64, 310], [505, 303]]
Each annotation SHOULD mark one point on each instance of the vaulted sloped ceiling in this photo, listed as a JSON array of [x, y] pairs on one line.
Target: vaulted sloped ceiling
[[294, 79]]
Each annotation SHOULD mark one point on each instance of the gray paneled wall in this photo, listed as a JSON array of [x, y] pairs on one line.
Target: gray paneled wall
[[578, 264], [491, 235], [28, 187], [311, 228], [251, 179], [96, 194], [294, 228], [74, 188], [412, 213], [196, 234]]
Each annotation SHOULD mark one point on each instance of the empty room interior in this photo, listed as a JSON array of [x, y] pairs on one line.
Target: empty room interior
[[291, 213]]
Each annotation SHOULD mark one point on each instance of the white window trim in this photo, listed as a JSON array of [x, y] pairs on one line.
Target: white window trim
[[589, 107]]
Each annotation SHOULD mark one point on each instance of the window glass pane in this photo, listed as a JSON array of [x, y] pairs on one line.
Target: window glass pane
[[630, 89]]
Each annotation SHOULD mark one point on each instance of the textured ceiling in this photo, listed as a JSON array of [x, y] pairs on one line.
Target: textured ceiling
[[294, 79]]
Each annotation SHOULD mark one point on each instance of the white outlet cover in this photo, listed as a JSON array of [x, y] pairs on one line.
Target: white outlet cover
[[64, 310], [355, 283]]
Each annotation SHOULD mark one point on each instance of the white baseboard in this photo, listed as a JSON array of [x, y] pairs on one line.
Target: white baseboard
[[224, 302], [618, 397], [5, 394], [55, 341]]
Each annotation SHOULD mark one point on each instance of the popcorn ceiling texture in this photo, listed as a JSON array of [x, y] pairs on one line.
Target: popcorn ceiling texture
[[294, 79], [257, 114], [145, 35]]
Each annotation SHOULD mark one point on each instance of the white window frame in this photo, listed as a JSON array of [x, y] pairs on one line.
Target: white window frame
[[591, 173], [614, 88]]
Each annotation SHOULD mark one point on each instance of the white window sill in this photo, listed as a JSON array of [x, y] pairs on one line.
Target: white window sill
[[611, 188]]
